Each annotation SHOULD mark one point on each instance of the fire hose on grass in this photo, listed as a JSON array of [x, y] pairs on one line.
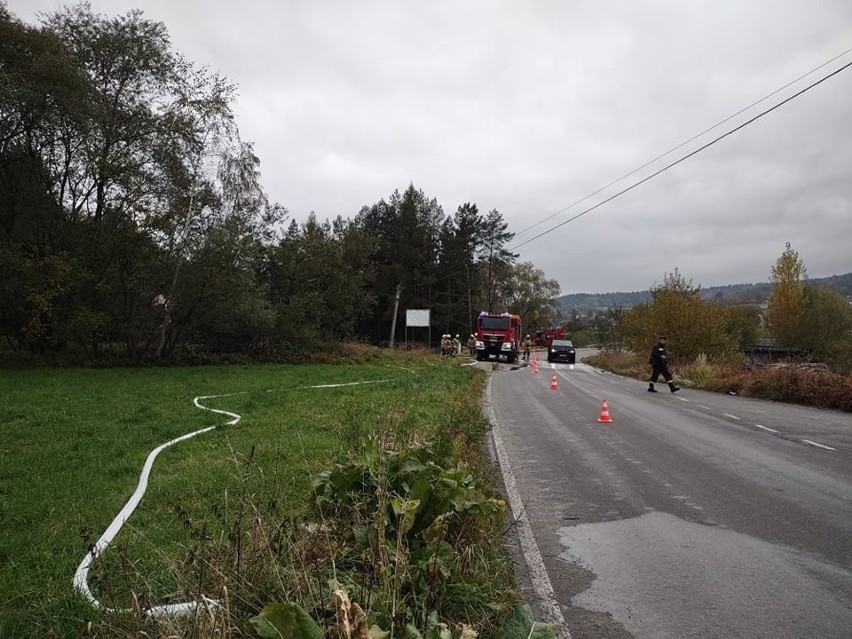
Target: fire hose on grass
[[81, 575]]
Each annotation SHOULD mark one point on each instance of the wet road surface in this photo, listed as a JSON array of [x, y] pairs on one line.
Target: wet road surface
[[690, 515]]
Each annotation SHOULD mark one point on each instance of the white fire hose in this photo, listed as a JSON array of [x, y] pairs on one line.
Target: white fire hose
[[81, 575]]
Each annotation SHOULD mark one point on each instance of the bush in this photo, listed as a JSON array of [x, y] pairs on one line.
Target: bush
[[799, 386], [583, 338], [791, 384], [621, 362]]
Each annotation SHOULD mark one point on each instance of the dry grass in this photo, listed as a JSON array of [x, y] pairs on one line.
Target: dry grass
[[789, 384]]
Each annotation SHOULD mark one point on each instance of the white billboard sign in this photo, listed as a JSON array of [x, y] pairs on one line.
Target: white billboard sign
[[417, 317]]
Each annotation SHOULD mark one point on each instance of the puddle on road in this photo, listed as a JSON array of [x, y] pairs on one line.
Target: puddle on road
[[663, 577]]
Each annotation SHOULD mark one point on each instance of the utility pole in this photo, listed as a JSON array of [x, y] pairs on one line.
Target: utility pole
[[395, 309]]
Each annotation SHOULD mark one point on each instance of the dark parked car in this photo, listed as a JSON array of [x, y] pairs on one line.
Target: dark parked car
[[561, 350]]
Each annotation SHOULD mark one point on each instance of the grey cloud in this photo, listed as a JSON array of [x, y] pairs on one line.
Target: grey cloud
[[527, 107]]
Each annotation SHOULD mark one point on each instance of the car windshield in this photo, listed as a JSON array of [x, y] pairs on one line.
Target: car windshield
[[563, 342]]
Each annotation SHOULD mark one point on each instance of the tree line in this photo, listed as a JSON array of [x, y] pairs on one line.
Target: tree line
[[729, 295], [134, 225], [815, 321]]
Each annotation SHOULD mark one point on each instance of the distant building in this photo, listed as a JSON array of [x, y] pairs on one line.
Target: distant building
[[766, 353]]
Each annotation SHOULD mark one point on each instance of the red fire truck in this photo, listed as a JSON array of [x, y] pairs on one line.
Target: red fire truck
[[546, 337], [498, 334]]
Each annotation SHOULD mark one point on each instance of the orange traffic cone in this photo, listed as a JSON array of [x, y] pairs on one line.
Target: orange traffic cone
[[554, 385], [605, 418]]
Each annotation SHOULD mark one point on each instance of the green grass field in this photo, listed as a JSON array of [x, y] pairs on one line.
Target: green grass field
[[74, 442]]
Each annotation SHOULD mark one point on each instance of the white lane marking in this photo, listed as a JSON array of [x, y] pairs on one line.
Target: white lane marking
[[704, 407], [810, 443], [535, 563], [731, 416], [766, 428], [683, 399]]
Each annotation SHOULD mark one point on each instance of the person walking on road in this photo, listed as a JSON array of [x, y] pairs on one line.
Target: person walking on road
[[659, 362]]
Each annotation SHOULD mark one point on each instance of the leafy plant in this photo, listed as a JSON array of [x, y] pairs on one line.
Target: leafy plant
[[414, 521], [285, 620], [520, 624]]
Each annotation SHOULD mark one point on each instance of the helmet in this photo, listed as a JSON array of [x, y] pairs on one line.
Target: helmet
[[457, 335]]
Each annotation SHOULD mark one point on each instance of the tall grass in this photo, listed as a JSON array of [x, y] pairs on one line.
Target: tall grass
[[74, 442], [700, 374]]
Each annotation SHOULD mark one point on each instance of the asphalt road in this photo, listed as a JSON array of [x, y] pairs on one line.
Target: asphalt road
[[690, 515]]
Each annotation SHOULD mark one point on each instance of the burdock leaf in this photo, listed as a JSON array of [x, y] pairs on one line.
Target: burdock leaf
[[287, 620]]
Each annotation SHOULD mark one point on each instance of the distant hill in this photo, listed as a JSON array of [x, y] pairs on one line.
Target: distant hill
[[591, 303]]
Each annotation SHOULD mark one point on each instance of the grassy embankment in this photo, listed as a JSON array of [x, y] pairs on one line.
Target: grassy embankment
[[784, 383], [224, 512]]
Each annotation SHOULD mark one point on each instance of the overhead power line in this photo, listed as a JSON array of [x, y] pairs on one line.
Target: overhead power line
[[678, 161], [684, 143]]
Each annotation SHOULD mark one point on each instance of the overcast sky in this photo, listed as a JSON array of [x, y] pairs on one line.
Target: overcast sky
[[527, 107]]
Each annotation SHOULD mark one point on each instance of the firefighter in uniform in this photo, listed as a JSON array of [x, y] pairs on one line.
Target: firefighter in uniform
[[527, 347], [471, 345], [659, 361], [456, 345]]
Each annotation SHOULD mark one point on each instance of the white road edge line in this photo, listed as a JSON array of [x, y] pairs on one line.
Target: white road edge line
[[535, 563], [810, 443], [732, 416], [766, 428]]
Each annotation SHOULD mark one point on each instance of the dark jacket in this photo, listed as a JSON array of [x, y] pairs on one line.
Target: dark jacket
[[659, 358]]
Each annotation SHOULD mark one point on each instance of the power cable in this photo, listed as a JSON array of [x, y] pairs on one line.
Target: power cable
[[682, 144], [444, 278], [685, 157], [664, 154]]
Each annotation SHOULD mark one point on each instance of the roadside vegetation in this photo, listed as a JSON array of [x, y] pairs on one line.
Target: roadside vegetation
[[135, 228], [783, 383], [376, 496], [135, 231], [705, 340]]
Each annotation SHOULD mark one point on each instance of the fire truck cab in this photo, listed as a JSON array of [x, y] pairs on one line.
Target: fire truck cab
[[546, 336], [498, 335]]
